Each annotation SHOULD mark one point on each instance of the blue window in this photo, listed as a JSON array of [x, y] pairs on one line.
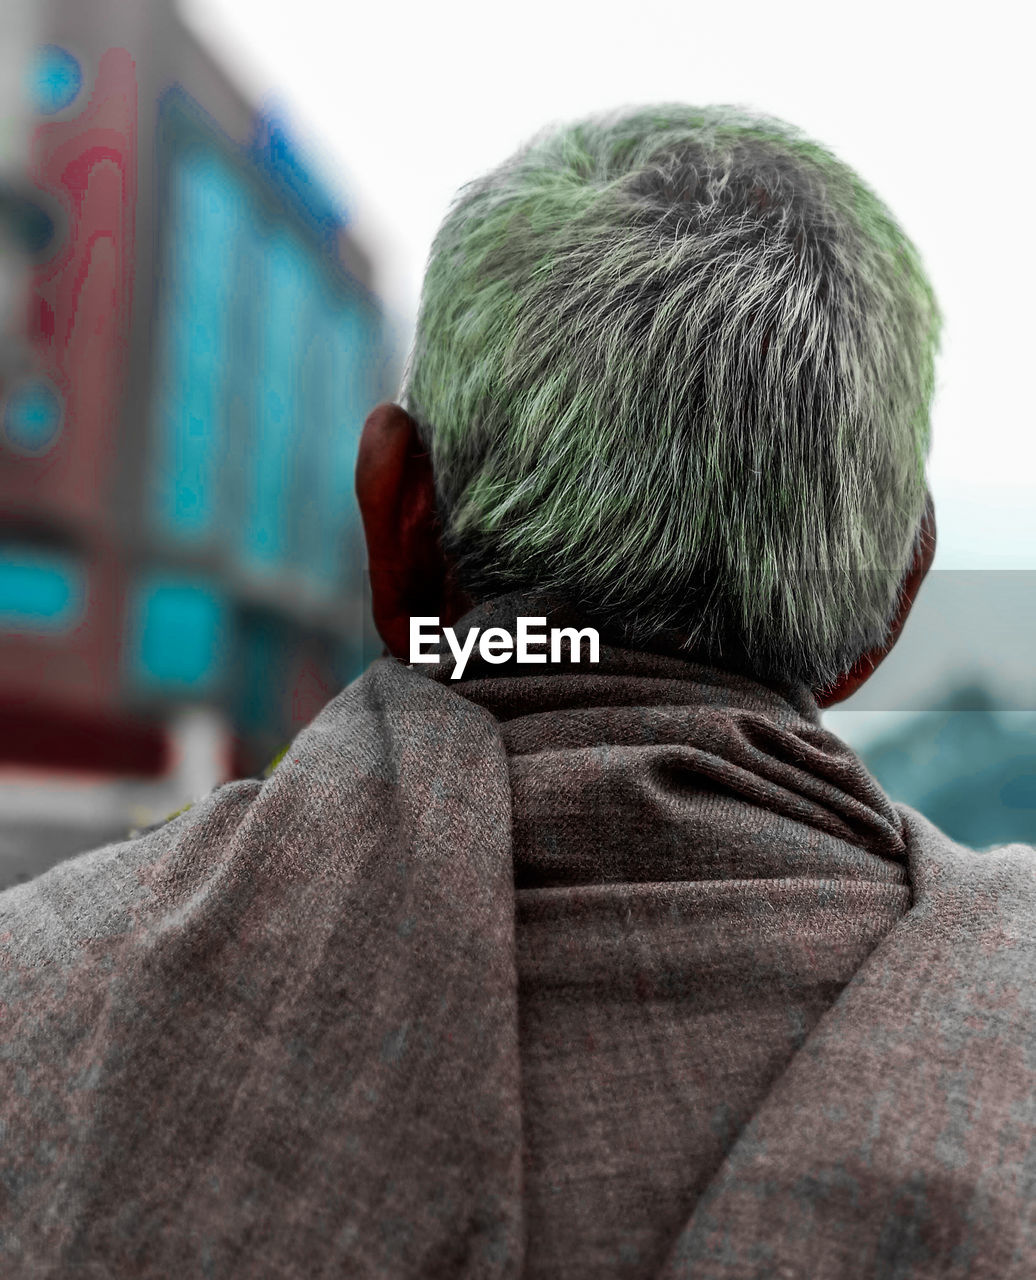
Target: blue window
[[32, 417], [55, 79], [207, 206], [347, 399], [264, 642], [272, 455], [266, 373], [41, 592], [180, 634], [315, 452]]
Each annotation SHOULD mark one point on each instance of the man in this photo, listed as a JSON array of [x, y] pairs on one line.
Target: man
[[564, 969]]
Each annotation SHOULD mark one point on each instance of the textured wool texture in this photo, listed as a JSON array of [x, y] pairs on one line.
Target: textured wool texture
[[630, 971]]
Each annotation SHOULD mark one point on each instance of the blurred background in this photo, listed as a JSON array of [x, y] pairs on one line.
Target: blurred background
[[214, 217]]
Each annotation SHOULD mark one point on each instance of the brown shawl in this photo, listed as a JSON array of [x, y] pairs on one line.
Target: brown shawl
[[296, 1033]]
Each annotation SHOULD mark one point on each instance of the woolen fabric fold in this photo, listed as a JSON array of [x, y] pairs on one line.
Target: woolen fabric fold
[[335, 1022]]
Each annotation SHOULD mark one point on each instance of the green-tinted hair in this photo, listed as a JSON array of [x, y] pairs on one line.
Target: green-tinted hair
[[675, 364]]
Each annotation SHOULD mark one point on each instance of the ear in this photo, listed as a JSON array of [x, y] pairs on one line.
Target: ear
[[864, 667], [395, 488]]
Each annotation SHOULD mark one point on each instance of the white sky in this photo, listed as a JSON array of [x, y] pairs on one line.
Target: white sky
[[932, 103]]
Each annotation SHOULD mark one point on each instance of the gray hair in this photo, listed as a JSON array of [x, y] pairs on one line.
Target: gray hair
[[675, 365]]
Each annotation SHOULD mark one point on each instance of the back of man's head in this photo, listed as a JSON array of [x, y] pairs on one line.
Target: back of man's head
[[675, 365]]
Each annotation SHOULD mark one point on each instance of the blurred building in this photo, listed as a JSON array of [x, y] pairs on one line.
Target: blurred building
[[198, 342], [22, 222], [967, 765]]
